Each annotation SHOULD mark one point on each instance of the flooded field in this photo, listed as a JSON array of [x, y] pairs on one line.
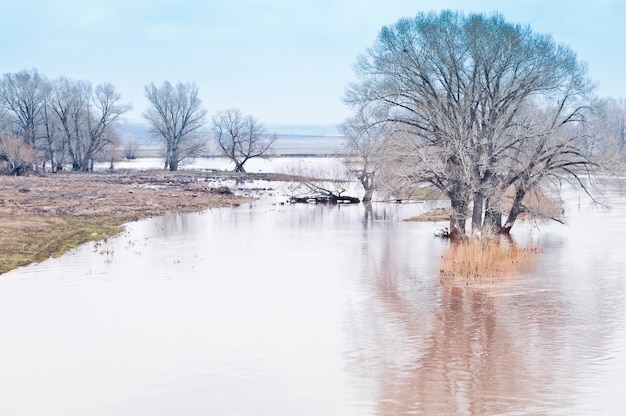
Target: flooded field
[[271, 309]]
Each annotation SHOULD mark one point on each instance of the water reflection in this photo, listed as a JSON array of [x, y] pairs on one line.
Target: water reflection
[[456, 351], [309, 310]]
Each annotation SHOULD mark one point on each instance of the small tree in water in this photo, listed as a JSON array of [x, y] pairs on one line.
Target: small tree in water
[[241, 138]]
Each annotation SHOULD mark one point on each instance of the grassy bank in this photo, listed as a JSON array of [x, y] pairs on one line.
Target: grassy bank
[[35, 239], [44, 216]]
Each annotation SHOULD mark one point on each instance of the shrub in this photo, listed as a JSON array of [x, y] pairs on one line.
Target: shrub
[[16, 156]]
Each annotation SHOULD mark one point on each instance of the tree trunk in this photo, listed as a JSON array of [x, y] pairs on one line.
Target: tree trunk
[[168, 157], [174, 160], [516, 209], [477, 213], [492, 224], [52, 162], [368, 195], [458, 218]]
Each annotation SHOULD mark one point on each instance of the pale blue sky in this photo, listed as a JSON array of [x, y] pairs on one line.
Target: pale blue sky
[[281, 61]]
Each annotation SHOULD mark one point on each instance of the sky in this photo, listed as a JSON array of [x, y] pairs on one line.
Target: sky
[[284, 62]]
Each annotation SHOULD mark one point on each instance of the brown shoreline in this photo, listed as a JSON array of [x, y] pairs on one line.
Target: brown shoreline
[[46, 215]]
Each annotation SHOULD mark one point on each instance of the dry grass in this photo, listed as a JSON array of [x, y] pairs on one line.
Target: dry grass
[[25, 241], [435, 215], [421, 194], [485, 259]]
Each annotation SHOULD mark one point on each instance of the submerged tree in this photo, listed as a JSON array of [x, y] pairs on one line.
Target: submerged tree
[[176, 117], [476, 107], [241, 138]]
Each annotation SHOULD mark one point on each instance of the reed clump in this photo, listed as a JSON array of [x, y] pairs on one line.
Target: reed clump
[[485, 258]]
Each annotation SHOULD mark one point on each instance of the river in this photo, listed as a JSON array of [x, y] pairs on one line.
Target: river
[[272, 309]]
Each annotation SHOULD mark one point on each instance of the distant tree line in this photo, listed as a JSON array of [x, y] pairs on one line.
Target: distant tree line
[[484, 111], [69, 124]]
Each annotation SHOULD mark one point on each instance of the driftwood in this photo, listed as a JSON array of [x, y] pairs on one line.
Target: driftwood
[[320, 195], [325, 199]]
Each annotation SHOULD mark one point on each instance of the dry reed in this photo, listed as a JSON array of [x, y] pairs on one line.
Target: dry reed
[[479, 259]]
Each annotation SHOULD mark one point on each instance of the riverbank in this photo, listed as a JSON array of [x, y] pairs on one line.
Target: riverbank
[[47, 215]]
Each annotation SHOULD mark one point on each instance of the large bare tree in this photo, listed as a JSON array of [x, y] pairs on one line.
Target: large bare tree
[[241, 137], [477, 106], [176, 117]]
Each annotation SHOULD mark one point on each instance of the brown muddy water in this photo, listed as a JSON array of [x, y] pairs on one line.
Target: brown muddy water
[[272, 309]]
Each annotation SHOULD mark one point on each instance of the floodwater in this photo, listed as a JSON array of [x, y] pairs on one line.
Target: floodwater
[[270, 309]]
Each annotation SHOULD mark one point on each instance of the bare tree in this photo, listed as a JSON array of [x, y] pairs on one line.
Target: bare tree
[[54, 148], [69, 101], [87, 118], [608, 135], [241, 138], [23, 95], [457, 92], [365, 144], [547, 149], [4, 120], [59, 119], [104, 111], [176, 117], [131, 147]]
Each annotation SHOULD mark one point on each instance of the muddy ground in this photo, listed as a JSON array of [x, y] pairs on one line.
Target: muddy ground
[[45, 215]]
